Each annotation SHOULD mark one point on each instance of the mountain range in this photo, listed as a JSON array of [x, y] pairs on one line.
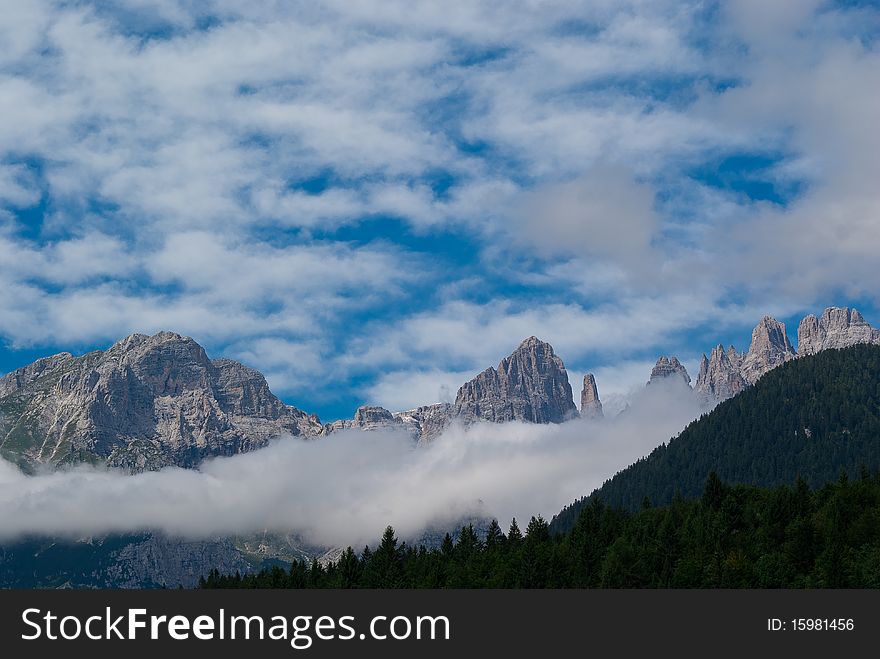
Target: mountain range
[[152, 401]]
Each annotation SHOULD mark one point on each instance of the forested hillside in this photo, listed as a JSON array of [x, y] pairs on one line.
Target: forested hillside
[[730, 537], [811, 417]]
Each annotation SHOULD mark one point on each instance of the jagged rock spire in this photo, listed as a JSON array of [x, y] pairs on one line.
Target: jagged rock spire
[[770, 347], [720, 376], [591, 406]]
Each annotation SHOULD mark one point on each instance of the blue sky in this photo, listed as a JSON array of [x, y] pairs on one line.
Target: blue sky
[[372, 201]]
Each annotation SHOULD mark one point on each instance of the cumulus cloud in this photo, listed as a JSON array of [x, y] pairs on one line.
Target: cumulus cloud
[[604, 214], [221, 169], [344, 489], [408, 389]]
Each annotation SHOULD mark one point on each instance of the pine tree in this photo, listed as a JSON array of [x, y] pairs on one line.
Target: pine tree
[[494, 536], [348, 570], [385, 567], [514, 536]]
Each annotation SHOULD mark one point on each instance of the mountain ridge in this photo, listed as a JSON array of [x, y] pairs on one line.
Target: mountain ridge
[[147, 402]]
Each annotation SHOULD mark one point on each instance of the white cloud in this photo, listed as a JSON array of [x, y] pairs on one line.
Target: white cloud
[[605, 214], [172, 163], [346, 488], [408, 389]]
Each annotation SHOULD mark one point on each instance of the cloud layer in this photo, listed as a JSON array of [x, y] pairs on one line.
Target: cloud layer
[[344, 489]]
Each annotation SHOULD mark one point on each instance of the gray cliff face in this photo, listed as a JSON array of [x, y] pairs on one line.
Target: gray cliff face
[[145, 403], [769, 348], [529, 385], [591, 406], [720, 376], [669, 367], [422, 423], [366, 417], [27, 375], [839, 327], [427, 421], [724, 374]]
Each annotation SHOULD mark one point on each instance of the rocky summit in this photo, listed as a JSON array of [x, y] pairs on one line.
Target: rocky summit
[[725, 374], [529, 385], [591, 406], [769, 348], [669, 367], [145, 403], [838, 327], [720, 376]]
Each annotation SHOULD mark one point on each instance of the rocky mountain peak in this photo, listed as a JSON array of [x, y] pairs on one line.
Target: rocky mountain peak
[[167, 362], [838, 327], [591, 406], [144, 403], [372, 414], [531, 343], [720, 376], [770, 347], [667, 367], [529, 385]]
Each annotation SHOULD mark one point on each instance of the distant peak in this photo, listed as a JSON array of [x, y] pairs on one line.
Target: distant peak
[[138, 339], [838, 327], [166, 336], [531, 342], [668, 367]]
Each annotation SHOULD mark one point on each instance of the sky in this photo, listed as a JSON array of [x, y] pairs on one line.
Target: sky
[[371, 202]]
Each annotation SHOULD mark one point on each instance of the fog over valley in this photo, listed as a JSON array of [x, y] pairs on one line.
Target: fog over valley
[[345, 488]]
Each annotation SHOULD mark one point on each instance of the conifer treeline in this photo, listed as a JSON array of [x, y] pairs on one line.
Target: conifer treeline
[[730, 537]]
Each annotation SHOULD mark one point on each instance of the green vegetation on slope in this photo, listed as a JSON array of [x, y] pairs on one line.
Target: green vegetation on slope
[[731, 537], [811, 417]]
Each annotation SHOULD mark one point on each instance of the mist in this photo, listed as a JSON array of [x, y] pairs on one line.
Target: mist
[[345, 488]]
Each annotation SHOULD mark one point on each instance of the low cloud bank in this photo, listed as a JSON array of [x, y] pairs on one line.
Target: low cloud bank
[[346, 488]]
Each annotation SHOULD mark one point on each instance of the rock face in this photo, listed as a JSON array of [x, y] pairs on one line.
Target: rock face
[[427, 421], [145, 403], [720, 376], [668, 367], [769, 348], [591, 406], [529, 385], [366, 417], [422, 423], [725, 373], [839, 327]]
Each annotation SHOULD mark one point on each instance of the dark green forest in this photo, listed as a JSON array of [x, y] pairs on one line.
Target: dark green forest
[[809, 418], [730, 537]]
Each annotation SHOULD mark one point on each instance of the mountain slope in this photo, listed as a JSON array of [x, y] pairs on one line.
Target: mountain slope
[[145, 403], [810, 417]]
